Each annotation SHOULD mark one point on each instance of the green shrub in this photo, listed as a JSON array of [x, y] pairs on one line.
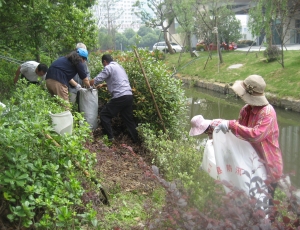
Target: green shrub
[[40, 183], [200, 47], [159, 55], [246, 42], [272, 53], [180, 161], [167, 91]]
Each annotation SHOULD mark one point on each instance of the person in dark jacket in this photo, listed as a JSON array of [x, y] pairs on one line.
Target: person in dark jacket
[[61, 72]]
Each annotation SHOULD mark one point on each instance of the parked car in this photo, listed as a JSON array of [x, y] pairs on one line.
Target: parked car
[[163, 47], [231, 46]]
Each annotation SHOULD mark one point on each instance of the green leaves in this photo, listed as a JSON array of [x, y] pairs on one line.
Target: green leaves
[[46, 26], [35, 174], [14, 177]]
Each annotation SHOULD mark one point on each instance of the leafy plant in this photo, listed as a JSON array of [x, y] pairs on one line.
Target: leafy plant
[[272, 53], [159, 55], [167, 91], [39, 179], [200, 47]]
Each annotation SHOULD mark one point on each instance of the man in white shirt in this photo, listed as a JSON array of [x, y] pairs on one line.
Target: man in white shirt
[[31, 71]]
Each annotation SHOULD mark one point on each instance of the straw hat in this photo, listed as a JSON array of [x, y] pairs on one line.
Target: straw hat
[[198, 125], [251, 90]]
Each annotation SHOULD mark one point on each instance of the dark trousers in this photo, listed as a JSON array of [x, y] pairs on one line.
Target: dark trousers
[[29, 82], [122, 105]]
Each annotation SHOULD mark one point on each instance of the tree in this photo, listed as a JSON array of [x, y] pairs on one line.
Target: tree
[[273, 17], [129, 33], [183, 11], [229, 30], [148, 40], [121, 42], [156, 14], [212, 14], [46, 26], [144, 30], [107, 16], [105, 40]]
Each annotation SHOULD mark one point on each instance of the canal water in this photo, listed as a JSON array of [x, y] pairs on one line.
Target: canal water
[[212, 105]]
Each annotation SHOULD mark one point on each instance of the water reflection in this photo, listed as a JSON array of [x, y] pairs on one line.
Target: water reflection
[[214, 105]]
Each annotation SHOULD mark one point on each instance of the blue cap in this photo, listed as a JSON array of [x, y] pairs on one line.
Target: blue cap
[[83, 53]]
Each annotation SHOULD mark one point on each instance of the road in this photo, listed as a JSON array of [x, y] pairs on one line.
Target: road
[[261, 48]]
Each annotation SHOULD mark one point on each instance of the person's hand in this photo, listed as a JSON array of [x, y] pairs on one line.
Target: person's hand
[[101, 85], [223, 126], [78, 87]]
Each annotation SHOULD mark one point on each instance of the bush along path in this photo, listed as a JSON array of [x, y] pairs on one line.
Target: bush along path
[[40, 184]]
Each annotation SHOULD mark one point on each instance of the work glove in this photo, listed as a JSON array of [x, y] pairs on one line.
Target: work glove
[[78, 87], [90, 89], [223, 126]]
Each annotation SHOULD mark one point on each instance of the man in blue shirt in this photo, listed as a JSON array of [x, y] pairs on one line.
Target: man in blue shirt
[[122, 99]]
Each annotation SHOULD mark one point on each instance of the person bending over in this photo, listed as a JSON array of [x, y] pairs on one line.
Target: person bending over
[[122, 99]]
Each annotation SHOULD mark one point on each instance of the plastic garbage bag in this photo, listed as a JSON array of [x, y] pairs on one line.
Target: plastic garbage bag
[[88, 104]]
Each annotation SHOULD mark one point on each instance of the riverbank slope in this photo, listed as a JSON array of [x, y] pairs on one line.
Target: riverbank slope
[[204, 71]]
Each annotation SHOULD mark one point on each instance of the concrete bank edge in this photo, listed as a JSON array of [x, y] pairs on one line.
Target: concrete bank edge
[[285, 102]]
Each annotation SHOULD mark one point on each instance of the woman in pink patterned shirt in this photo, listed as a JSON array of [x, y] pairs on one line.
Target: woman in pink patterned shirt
[[257, 124]]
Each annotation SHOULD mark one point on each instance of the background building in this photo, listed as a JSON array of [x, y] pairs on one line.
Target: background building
[[116, 14]]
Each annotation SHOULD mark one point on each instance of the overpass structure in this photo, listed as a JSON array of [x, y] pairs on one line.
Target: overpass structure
[[241, 7]]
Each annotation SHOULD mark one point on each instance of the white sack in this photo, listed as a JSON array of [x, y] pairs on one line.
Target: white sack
[[88, 104], [209, 160], [234, 158]]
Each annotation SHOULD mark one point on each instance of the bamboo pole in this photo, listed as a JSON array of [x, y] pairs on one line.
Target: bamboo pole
[[150, 90]]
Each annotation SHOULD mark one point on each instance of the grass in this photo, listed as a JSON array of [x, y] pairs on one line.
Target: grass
[[127, 210], [284, 82]]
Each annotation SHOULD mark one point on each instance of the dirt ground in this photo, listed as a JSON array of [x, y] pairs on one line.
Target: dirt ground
[[122, 166], [122, 163]]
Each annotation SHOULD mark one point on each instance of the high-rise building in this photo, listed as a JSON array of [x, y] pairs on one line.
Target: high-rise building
[[116, 14]]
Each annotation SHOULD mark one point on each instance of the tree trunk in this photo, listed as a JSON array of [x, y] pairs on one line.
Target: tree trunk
[[189, 42], [219, 50], [171, 51], [270, 37]]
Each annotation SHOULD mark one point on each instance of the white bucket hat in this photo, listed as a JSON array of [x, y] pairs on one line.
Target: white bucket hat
[[251, 90], [198, 125]]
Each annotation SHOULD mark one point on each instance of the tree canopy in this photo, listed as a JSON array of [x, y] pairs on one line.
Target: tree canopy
[[42, 26]]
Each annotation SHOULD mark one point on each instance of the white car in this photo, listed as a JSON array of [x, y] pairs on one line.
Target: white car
[[163, 47]]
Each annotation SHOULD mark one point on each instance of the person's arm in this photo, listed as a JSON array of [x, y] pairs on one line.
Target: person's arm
[[82, 75], [260, 129], [17, 75], [101, 77], [73, 83], [88, 74], [86, 82]]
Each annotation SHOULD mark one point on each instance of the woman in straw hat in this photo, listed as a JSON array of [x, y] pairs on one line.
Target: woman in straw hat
[[257, 124]]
